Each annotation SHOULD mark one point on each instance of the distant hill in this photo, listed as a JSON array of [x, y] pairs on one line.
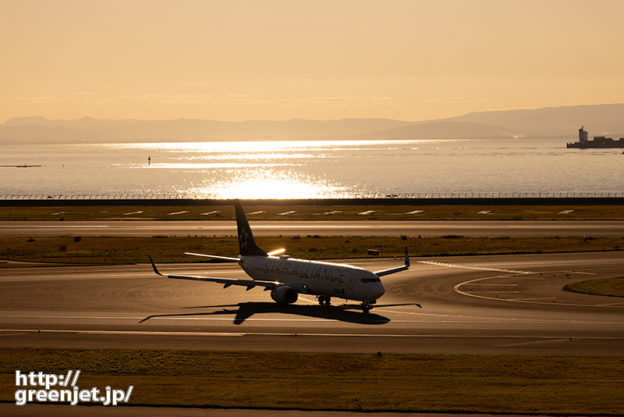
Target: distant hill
[[85, 130], [559, 122], [443, 129], [549, 122], [602, 119]]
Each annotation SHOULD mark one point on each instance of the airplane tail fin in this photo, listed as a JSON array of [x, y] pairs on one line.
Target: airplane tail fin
[[246, 241]]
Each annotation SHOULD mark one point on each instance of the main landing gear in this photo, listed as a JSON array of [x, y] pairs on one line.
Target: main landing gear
[[324, 300]]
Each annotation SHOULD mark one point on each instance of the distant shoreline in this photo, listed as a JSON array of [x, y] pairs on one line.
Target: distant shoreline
[[520, 201], [548, 122]]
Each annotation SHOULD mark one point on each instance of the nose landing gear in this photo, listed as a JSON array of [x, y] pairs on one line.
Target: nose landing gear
[[366, 307]]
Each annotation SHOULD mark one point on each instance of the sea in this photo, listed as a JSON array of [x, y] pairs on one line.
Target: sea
[[310, 169]]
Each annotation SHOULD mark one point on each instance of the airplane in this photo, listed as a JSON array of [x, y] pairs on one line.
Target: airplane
[[288, 277]]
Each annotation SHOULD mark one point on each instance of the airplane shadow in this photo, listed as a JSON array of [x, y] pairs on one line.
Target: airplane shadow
[[247, 310]]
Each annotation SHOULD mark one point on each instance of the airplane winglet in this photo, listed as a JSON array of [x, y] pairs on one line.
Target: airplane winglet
[[154, 266], [407, 261]]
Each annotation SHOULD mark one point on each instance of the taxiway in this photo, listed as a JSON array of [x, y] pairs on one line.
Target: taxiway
[[512, 304]]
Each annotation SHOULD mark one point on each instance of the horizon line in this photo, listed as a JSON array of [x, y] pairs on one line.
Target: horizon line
[[315, 120]]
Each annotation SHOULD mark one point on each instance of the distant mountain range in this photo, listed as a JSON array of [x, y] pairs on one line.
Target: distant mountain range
[[555, 122]]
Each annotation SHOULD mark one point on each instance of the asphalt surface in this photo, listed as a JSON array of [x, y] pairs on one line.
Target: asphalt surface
[[326, 228], [69, 411], [494, 304]]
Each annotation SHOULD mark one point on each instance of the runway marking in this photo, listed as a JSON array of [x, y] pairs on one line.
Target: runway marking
[[497, 292], [240, 334], [478, 268], [73, 317], [121, 332], [497, 285], [457, 318], [529, 299], [294, 226], [191, 318], [540, 342], [554, 301], [43, 226], [447, 318], [620, 303], [308, 300], [381, 310], [175, 213], [164, 318], [420, 313], [579, 273]]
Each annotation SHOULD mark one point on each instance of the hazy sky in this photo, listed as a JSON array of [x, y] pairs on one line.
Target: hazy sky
[[269, 59]]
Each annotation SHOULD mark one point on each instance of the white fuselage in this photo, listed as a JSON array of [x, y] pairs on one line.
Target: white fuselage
[[314, 277]]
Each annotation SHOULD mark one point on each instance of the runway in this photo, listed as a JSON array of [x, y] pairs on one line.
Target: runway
[[491, 304], [325, 228]]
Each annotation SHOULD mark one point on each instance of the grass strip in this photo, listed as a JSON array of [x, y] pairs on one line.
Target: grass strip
[[338, 381], [111, 250], [606, 286], [318, 212]]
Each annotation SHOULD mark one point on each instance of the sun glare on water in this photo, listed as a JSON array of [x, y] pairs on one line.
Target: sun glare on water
[[248, 170], [262, 184]]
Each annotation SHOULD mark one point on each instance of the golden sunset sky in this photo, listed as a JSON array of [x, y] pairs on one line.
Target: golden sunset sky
[[275, 60]]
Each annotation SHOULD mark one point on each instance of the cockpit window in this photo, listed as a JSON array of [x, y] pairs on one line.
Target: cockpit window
[[374, 279]]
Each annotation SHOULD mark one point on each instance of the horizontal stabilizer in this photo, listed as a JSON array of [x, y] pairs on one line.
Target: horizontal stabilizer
[[221, 258]]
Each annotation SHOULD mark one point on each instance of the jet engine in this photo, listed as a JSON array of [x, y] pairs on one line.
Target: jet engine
[[284, 295]]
